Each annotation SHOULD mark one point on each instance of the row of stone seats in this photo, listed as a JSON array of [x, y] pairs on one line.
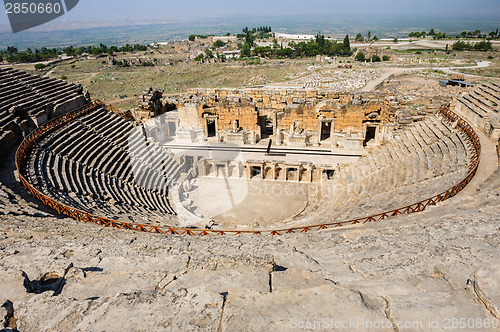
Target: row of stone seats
[[110, 126], [470, 104], [420, 161], [378, 202], [93, 149], [481, 102], [32, 92], [483, 99], [490, 94], [6, 119], [19, 98], [27, 100], [149, 152], [87, 164], [52, 90], [145, 157], [14, 90], [8, 74], [85, 188]]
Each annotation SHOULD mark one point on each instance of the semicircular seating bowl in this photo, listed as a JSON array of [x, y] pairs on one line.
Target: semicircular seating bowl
[[89, 163]]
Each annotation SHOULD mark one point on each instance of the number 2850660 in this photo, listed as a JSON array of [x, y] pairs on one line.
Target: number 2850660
[[32, 8]]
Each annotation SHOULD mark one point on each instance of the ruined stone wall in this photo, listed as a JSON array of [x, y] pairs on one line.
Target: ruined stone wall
[[189, 117], [244, 112], [288, 106]]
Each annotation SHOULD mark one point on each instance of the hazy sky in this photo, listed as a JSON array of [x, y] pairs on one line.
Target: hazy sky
[[91, 13]]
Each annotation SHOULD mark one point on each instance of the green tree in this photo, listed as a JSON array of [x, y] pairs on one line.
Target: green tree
[[432, 32], [460, 45], [360, 56], [221, 57], [209, 54], [375, 58], [484, 45], [39, 66], [249, 38], [369, 35], [192, 37], [218, 43], [440, 35], [375, 38], [359, 37], [320, 41], [245, 51], [347, 43], [386, 58], [11, 50], [69, 51]]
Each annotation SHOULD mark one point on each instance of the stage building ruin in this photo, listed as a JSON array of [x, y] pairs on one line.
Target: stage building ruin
[[295, 118]]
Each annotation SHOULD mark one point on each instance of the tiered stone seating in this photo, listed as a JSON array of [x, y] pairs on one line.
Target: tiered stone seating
[[32, 99], [420, 162], [99, 163], [481, 105]]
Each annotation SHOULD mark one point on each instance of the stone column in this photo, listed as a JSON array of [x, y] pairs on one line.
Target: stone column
[[227, 169], [249, 173], [217, 129], [278, 137], [320, 119], [205, 126], [275, 122]]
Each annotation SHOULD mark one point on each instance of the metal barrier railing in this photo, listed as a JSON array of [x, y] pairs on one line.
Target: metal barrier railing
[[28, 143]]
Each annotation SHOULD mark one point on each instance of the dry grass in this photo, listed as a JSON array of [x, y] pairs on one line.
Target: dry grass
[[111, 84]]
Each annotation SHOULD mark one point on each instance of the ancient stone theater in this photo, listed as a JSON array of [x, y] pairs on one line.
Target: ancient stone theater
[[233, 161]]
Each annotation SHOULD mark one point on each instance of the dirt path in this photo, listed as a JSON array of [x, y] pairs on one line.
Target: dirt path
[[396, 70], [386, 74], [487, 163]]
